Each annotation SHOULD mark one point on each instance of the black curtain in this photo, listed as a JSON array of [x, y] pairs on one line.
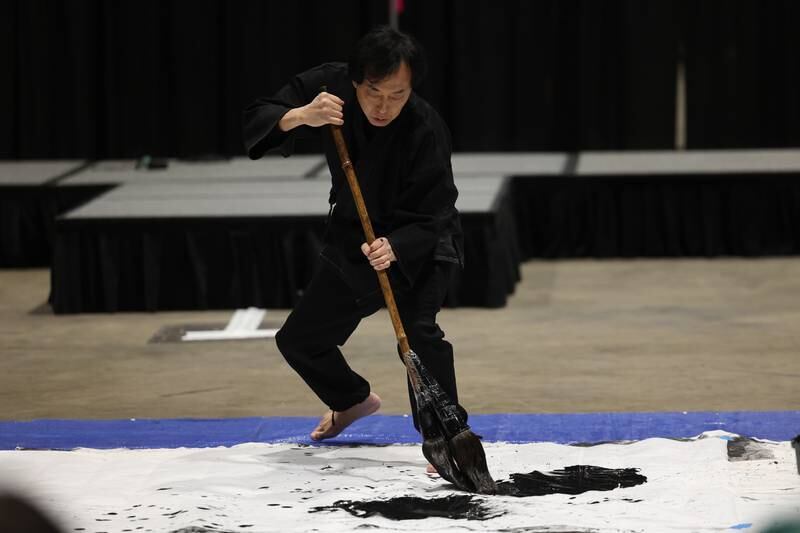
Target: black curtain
[[742, 73], [551, 75], [100, 79]]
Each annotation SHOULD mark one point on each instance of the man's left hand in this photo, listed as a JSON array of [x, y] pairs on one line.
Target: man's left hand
[[379, 253]]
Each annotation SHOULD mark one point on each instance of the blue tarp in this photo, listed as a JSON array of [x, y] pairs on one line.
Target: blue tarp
[[381, 429]]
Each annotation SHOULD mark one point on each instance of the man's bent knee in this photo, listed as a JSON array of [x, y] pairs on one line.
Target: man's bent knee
[[285, 342]]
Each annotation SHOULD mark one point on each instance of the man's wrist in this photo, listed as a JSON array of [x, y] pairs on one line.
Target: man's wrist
[[292, 119]]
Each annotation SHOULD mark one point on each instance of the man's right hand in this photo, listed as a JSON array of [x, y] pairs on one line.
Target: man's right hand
[[326, 108]]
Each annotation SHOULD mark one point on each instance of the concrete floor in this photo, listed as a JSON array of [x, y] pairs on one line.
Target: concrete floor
[[578, 336]]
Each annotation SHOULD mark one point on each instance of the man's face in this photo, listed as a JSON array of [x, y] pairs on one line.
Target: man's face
[[383, 100]]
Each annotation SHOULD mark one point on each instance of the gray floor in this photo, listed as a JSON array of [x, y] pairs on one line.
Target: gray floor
[[578, 336]]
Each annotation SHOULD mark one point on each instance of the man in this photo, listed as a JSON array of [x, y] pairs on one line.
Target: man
[[400, 149]]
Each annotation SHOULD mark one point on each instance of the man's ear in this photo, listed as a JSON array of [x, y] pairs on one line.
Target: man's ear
[[355, 85]]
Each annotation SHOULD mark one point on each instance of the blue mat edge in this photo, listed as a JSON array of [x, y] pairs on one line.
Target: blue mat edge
[[60, 434]]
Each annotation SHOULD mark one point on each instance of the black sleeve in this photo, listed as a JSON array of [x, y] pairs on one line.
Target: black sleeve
[[430, 192], [261, 118]]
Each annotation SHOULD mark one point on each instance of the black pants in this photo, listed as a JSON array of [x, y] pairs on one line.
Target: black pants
[[329, 312]]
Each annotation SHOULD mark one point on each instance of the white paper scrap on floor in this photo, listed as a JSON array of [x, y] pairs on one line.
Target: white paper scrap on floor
[[690, 485]]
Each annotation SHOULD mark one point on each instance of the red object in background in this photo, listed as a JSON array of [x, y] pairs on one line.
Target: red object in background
[[400, 5]]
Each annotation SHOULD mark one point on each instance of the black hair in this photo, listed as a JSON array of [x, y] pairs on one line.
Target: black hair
[[380, 52]]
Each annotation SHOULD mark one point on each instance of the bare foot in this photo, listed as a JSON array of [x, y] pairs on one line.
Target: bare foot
[[334, 422], [431, 470]]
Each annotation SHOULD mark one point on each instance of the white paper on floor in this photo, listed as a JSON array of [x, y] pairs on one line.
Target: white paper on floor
[[244, 324], [691, 486]]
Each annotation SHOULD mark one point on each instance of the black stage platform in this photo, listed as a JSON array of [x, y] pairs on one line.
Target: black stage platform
[[30, 201], [204, 235], [663, 204], [206, 244]]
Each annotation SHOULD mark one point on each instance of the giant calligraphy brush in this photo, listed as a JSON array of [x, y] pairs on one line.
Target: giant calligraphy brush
[[448, 443]]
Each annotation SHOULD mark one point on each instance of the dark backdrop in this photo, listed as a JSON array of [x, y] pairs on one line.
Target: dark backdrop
[[743, 73], [102, 79]]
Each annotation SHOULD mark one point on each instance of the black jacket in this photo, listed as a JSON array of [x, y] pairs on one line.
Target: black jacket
[[403, 169]]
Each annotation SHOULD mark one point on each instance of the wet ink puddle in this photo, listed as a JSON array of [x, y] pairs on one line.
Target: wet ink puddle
[[414, 508], [573, 480], [570, 480]]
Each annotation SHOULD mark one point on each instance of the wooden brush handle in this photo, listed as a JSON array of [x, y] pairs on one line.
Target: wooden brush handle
[[383, 277]]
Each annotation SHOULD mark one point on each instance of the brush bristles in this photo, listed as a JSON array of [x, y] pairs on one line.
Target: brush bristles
[[437, 452], [468, 453]]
